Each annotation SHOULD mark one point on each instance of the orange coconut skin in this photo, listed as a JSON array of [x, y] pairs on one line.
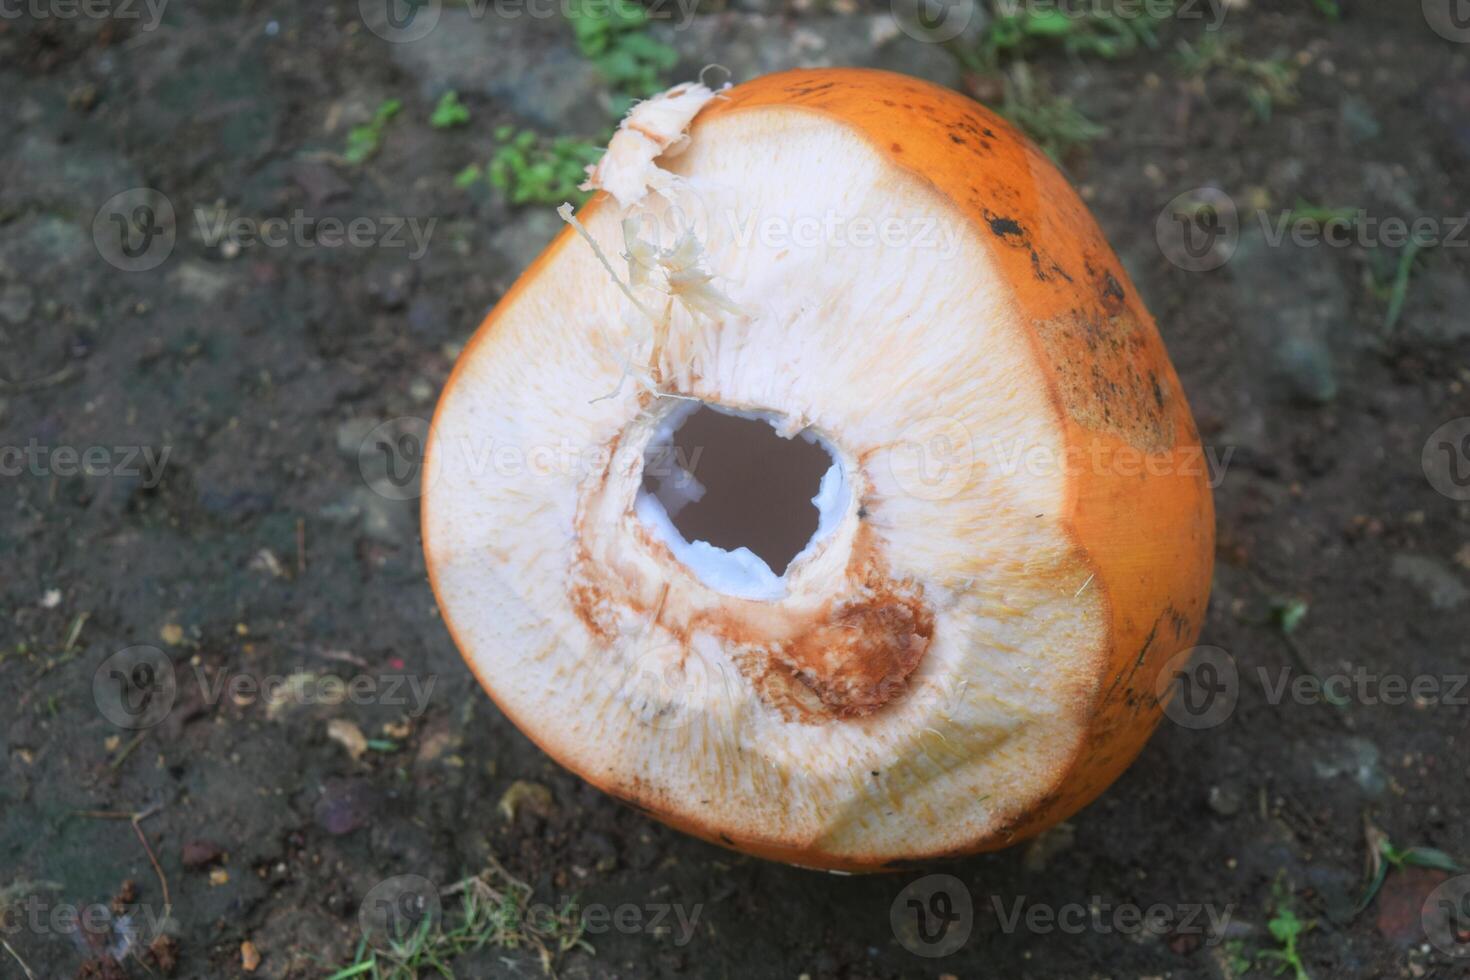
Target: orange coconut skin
[[1138, 497]]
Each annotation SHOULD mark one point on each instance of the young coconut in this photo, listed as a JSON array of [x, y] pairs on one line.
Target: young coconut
[[867, 291]]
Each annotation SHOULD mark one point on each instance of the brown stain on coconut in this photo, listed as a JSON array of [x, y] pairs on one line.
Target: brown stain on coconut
[[848, 658], [1104, 380]]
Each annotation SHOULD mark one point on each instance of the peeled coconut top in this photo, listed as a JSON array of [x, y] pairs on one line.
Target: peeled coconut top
[[783, 495]]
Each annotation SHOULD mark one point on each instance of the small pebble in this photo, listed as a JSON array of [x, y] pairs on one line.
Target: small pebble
[[249, 957]]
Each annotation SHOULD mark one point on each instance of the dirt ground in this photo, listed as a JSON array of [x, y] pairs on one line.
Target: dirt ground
[[231, 522]]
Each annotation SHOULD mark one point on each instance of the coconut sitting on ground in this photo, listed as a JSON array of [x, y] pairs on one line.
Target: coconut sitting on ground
[[825, 490]]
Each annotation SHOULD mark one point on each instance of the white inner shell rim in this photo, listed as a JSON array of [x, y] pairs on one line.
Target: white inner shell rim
[[740, 573]]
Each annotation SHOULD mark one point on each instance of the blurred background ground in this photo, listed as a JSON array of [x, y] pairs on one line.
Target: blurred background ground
[[264, 545]]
